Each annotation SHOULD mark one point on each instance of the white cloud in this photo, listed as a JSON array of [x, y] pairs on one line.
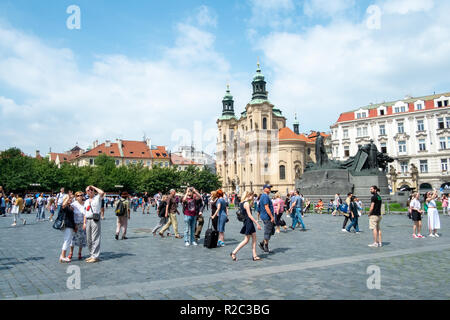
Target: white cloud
[[118, 97], [273, 13], [206, 17], [326, 7], [339, 67], [407, 6]]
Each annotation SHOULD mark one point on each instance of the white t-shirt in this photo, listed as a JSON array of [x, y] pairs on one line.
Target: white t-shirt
[[94, 204], [60, 198], [78, 210], [415, 204]]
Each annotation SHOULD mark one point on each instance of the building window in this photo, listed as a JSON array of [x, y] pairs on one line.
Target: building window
[[424, 166], [365, 132], [419, 106], [404, 166], [128, 162], [439, 104], [148, 163], [134, 161], [444, 165], [383, 147], [441, 123], [400, 127], [382, 112], [264, 123], [282, 172], [251, 124], [402, 146], [117, 162], [420, 125], [382, 130], [91, 162], [346, 151], [345, 133], [361, 115], [422, 145], [358, 132], [442, 143], [447, 122]]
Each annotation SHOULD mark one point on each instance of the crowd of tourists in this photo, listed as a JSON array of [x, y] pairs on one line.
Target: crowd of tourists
[[79, 215]]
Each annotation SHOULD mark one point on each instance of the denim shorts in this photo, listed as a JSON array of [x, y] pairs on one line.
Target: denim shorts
[[268, 229]]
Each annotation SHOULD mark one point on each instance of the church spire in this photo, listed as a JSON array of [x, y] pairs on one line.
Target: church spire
[[296, 125], [228, 103], [259, 85]]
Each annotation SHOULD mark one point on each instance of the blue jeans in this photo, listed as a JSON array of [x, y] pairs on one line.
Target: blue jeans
[[298, 218], [354, 223], [190, 222], [40, 213]]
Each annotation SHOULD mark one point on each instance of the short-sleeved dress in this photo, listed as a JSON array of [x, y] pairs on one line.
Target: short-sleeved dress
[[222, 215], [248, 227], [433, 216]]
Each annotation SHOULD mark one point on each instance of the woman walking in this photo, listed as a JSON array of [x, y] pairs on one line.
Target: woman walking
[[213, 202], [79, 237], [161, 214], [444, 205], [17, 208], [222, 213], [278, 206], [416, 215], [248, 228], [433, 215], [69, 227], [353, 211]]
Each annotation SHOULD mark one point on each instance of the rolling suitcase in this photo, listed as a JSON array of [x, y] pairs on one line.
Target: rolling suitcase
[[211, 237]]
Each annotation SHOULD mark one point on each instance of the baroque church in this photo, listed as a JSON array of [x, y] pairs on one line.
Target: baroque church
[[256, 147]]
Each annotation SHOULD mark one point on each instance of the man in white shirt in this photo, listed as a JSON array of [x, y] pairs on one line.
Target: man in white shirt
[[92, 207], [59, 202]]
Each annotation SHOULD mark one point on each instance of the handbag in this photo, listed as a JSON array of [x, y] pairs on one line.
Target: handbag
[[59, 223]]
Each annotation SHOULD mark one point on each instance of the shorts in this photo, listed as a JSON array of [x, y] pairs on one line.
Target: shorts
[[416, 216], [374, 222], [269, 229]]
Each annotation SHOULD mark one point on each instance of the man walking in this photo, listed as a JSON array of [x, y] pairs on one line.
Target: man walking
[[267, 216], [145, 203], [92, 225], [59, 201], [296, 208], [375, 216], [171, 213]]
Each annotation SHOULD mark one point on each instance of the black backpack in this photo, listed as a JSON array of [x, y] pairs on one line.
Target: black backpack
[[241, 213], [121, 210]]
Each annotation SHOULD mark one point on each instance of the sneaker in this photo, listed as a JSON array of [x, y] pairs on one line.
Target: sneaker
[[436, 235], [266, 249], [222, 244], [380, 244], [431, 235], [374, 245], [194, 243], [415, 236], [186, 244], [420, 236], [344, 230], [14, 224], [357, 232], [117, 237]]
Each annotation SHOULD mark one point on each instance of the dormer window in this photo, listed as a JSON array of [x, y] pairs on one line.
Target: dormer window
[[131, 152], [441, 102], [158, 154], [400, 107], [112, 152], [164, 155], [382, 111], [99, 151]]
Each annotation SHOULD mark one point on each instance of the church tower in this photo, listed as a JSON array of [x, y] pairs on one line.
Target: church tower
[[259, 86], [228, 104], [296, 125]]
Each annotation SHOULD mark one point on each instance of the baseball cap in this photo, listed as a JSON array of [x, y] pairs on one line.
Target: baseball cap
[[267, 186]]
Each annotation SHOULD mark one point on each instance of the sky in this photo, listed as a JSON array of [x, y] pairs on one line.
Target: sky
[[159, 69]]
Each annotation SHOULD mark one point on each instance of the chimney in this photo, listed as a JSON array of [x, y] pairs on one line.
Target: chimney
[[95, 144], [107, 143], [148, 141], [38, 154]]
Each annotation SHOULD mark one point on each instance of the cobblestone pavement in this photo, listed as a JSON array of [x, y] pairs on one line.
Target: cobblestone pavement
[[320, 263]]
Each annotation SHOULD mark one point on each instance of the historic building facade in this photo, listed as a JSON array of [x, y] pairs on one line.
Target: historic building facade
[[256, 147], [414, 131]]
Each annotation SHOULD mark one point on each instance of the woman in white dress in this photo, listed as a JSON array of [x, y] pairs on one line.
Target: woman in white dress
[[433, 214]]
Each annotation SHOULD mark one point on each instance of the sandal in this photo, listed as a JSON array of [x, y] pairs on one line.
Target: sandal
[[256, 258], [233, 256], [70, 256]]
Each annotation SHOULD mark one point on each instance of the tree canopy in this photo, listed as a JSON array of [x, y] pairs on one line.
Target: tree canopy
[[20, 173]]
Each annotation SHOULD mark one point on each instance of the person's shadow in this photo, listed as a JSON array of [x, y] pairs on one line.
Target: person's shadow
[[112, 255]]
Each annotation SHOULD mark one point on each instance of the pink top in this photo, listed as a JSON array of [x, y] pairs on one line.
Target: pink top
[[445, 203], [278, 205]]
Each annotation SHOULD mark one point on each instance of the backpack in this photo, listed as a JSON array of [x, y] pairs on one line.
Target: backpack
[[241, 213], [121, 209]]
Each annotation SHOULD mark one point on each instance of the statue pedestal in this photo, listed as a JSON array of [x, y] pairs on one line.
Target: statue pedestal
[[331, 181]]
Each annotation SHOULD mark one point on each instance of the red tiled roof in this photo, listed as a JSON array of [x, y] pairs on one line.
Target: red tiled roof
[[287, 134], [313, 135], [135, 149], [160, 153], [63, 157], [112, 151]]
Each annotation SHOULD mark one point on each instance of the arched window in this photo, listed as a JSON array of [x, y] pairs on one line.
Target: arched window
[[264, 123], [251, 124], [282, 172]]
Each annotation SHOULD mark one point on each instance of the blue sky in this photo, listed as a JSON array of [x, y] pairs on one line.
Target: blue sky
[[161, 67]]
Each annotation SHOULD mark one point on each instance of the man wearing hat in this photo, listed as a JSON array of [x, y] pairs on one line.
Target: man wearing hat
[[267, 216]]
